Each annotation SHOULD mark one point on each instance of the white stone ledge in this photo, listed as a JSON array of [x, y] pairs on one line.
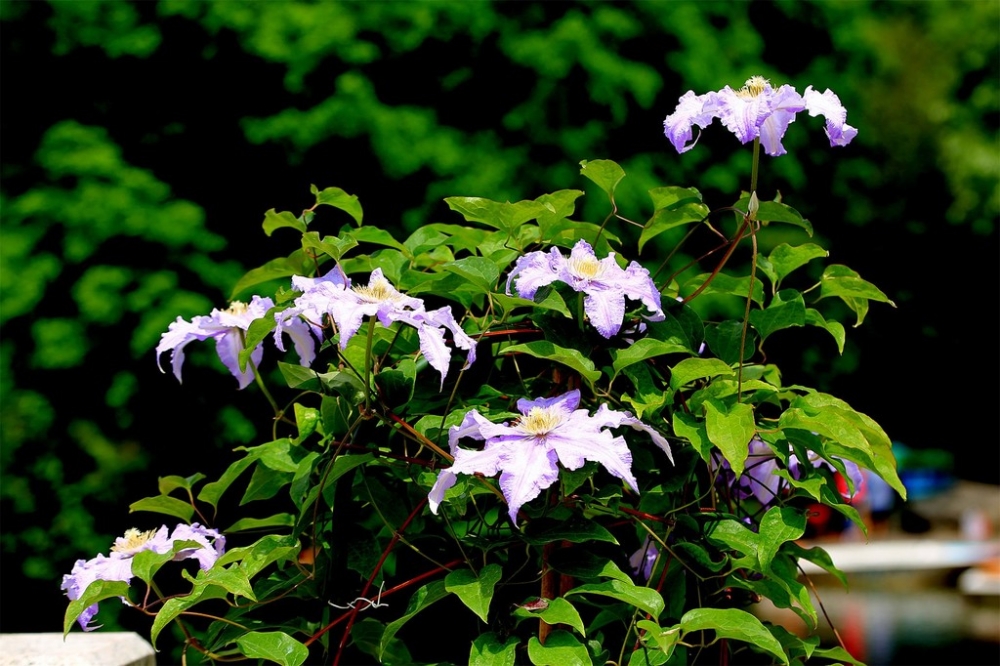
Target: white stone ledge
[[112, 648]]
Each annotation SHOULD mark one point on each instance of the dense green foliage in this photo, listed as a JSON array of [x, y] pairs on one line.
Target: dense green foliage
[[142, 139]]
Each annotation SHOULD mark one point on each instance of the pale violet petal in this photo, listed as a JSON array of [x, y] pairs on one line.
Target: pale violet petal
[[606, 310], [528, 469], [534, 270], [828, 105], [691, 110]]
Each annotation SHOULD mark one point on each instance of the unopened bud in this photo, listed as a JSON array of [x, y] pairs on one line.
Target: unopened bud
[[753, 207]]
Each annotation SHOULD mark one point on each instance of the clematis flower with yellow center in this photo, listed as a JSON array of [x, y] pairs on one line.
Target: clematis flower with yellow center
[[348, 305], [757, 110], [228, 328], [605, 283], [528, 452], [118, 565]]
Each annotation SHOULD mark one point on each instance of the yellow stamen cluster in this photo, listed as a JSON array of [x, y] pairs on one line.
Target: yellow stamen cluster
[[540, 421], [753, 87], [132, 541], [377, 292], [586, 267], [236, 308]]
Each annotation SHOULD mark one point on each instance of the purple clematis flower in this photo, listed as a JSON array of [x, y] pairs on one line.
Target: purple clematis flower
[[227, 327], [756, 111], [118, 565], [527, 452], [604, 282], [759, 479], [333, 295], [642, 560]]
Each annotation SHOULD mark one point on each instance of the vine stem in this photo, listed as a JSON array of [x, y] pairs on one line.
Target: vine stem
[[371, 579]]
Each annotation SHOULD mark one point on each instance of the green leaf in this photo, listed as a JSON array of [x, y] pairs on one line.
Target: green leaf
[[693, 430], [576, 530], [643, 598], [98, 590], [568, 357], [267, 549], [332, 246], [276, 646], [775, 211], [731, 430], [506, 216], [146, 563], [276, 269], [649, 395], [786, 309], [255, 334], [278, 520], [691, 369], [562, 204], [817, 556], [641, 350], [724, 340], [170, 506], [834, 328], [561, 649], [673, 197], [681, 324], [546, 299], [480, 272], [376, 236], [338, 198], [734, 624], [274, 220], [168, 484], [786, 258], [421, 599], [664, 639], [605, 173], [725, 284], [846, 284], [779, 525], [474, 591], [558, 611], [488, 651], [666, 219], [177, 605]]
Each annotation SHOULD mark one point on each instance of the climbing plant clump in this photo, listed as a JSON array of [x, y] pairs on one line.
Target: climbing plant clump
[[579, 450]]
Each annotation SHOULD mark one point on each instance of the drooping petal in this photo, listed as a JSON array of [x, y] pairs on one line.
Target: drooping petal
[[742, 115], [443, 317], [783, 103], [527, 471], [534, 270], [828, 105], [335, 277], [606, 310], [639, 286], [575, 447], [434, 349], [177, 336], [567, 403], [445, 480], [610, 418], [691, 110], [213, 544], [301, 334], [229, 347], [471, 426]]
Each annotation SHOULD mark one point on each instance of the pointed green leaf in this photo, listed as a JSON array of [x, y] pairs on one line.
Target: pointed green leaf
[[558, 611], [568, 357], [641, 350], [693, 430], [735, 624], [785, 310], [673, 197], [666, 219], [775, 211], [98, 590], [786, 258], [691, 369], [375, 236], [576, 530], [487, 650], [259, 329], [605, 173], [276, 646], [338, 198], [725, 339], [846, 284], [167, 484], [731, 430], [177, 605], [480, 272], [422, 598], [170, 506], [476, 592], [275, 220], [664, 639], [276, 269], [834, 328], [278, 520], [725, 284], [332, 246], [645, 599], [561, 649]]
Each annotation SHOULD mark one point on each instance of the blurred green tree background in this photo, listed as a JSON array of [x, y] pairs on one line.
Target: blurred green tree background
[[142, 143]]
